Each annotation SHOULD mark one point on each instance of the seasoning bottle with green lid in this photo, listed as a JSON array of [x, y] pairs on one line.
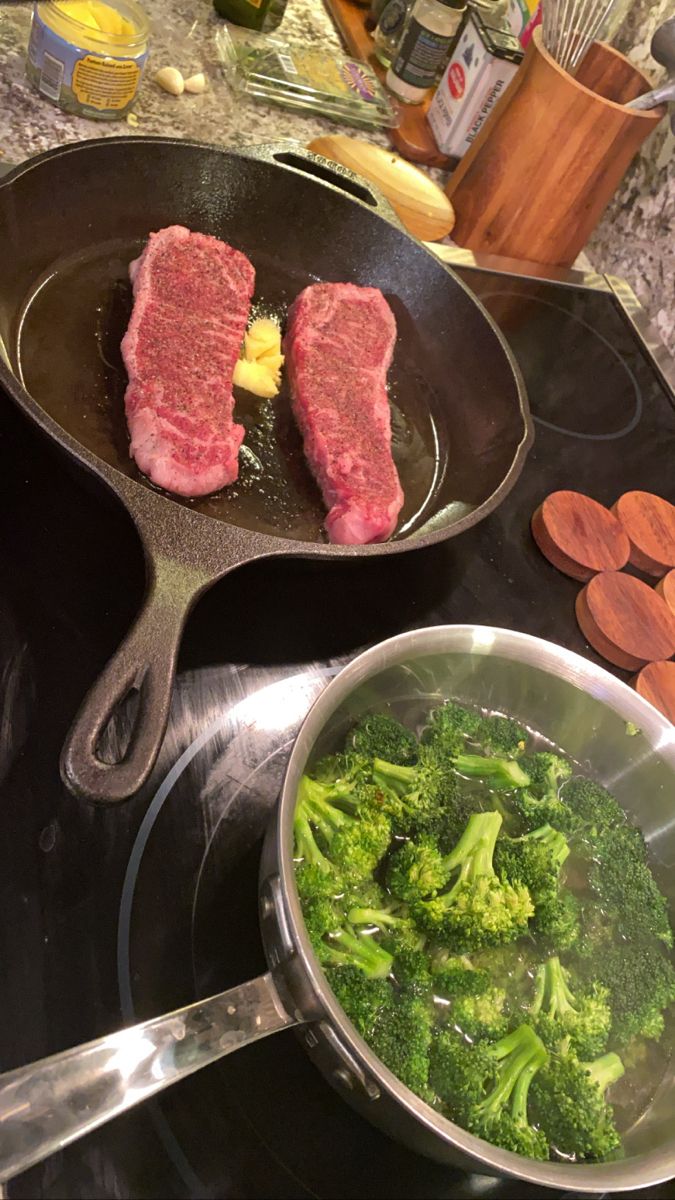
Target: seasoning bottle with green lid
[[430, 31]]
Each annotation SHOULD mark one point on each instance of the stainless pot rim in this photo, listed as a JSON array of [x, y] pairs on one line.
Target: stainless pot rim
[[640, 1171]]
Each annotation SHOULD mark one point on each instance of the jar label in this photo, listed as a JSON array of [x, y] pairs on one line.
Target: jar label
[[420, 55], [79, 80], [105, 82]]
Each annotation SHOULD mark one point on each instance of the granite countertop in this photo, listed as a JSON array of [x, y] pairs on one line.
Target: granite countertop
[[635, 247]]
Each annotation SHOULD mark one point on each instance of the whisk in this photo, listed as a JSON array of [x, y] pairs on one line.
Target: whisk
[[570, 26]]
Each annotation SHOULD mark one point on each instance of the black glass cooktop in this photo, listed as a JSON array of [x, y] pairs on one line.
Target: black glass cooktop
[[111, 916]]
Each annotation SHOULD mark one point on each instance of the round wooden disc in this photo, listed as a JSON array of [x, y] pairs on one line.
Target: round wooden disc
[[649, 522], [625, 620], [656, 682], [666, 588], [579, 536]]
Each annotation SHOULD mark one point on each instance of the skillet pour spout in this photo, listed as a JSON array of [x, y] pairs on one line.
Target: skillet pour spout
[[70, 226]]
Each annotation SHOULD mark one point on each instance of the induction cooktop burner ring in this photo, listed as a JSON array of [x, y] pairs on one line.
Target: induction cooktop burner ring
[[163, 792], [574, 433]]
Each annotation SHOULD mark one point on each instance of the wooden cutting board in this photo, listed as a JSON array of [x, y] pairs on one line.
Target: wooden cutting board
[[579, 536], [649, 522], [420, 204], [625, 620], [656, 682]]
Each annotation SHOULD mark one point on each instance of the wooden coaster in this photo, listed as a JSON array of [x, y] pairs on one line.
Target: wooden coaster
[[656, 682], [666, 588], [649, 522], [579, 536], [625, 620]]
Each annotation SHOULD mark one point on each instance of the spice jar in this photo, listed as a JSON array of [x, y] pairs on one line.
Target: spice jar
[[87, 56], [427, 39]]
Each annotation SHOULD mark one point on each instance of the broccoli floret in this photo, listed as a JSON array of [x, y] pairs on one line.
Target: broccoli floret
[[480, 909], [535, 859], [314, 880], [345, 778], [568, 1101], [338, 944], [456, 975], [481, 1016], [540, 803], [381, 736], [363, 999], [558, 919], [402, 1039], [308, 851], [547, 772], [591, 804], [385, 917], [411, 970], [499, 773], [641, 984], [459, 1070], [353, 844], [322, 917], [501, 735], [417, 870], [501, 1116], [626, 889], [449, 727], [427, 788], [558, 1014], [344, 947]]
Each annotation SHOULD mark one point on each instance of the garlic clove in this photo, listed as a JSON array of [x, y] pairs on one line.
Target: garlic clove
[[170, 80], [196, 83]]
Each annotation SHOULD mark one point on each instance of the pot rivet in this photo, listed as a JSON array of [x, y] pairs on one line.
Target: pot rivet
[[345, 1077]]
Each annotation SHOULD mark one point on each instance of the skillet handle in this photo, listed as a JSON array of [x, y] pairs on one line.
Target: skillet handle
[[295, 157], [51, 1103], [145, 662]]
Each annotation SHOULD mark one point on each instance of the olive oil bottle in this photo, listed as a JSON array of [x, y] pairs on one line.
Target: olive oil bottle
[[264, 15]]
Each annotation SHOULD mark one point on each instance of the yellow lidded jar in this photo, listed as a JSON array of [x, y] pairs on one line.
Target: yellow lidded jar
[[88, 56]]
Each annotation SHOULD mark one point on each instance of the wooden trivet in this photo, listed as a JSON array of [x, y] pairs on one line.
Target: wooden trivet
[[656, 682], [666, 588], [625, 620], [579, 536], [649, 522]]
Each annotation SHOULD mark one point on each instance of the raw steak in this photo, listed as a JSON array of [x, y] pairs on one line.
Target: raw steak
[[191, 300], [339, 346]]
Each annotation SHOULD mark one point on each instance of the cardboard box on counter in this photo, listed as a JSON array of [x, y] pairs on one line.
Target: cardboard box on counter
[[524, 16]]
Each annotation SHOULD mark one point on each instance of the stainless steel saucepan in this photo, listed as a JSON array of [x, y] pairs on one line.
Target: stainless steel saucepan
[[578, 706]]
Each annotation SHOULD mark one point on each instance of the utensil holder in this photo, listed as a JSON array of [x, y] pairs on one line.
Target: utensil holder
[[548, 160]]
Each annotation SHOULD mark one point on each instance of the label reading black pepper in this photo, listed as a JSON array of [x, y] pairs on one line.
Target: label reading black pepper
[[420, 54]]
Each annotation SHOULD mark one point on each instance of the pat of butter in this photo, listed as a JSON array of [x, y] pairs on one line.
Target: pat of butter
[[259, 370]]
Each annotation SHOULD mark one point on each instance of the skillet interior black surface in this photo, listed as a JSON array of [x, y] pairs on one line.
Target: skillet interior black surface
[[65, 302]]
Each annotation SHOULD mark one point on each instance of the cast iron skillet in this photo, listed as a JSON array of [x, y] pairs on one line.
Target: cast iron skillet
[[70, 222]]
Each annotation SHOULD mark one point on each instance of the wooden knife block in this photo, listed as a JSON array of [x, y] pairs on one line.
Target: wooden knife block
[[548, 160]]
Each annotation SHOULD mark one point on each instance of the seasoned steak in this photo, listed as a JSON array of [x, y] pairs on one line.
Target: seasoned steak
[[339, 346], [191, 300]]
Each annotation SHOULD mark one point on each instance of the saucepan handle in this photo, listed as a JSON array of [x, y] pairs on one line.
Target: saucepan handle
[[51, 1103], [294, 156], [145, 663]]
